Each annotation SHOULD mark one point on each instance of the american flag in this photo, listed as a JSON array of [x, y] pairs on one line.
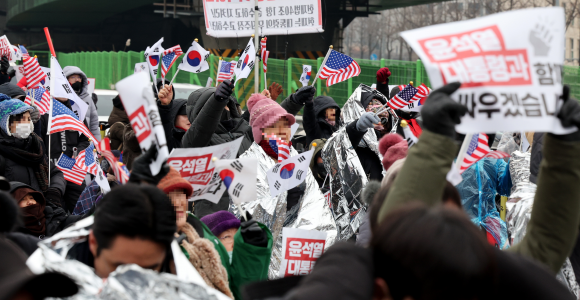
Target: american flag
[[422, 92], [226, 70], [65, 119], [105, 149], [169, 57], [404, 97], [25, 54], [279, 146], [338, 68], [70, 170], [477, 150], [41, 98], [264, 55], [86, 160], [33, 72]]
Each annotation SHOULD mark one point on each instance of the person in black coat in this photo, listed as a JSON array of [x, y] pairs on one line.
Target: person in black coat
[[41, 218], [169, 111]]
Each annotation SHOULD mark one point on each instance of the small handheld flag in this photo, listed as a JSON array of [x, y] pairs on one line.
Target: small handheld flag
[[39, 96], [403, 98], [105, 150], [195, 60], [24, 52], [239, 177], [246, 62], [306, 73], [153, 56], [264, 56], [87, 161], [338, 67], [226, 71], [477, 148], [70, 170], [33, 72], [169, 57], [289, 173], [65, 119]]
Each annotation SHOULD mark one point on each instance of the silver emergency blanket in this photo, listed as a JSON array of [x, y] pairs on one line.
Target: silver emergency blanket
[[347, 180], [126, 282], [312, 214], [519, 211], [353, 109]]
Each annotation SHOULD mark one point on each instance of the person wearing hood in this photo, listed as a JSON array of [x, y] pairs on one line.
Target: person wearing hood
[[80, 84], [13, 91], [22, 154], [41, 218], [173, 114], [69, 142], [317, 166], [118, 119]]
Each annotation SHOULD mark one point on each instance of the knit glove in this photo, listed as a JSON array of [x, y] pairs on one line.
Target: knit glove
[[569, 116], [275, 90], [383, 75], [53, 196], [141, 170], [35, 114], [4, 65], [224, 91], [440, 113], [304, 95], [366, 121], [252, 233]]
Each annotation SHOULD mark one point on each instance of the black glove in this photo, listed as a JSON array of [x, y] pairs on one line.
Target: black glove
[[54, 196], [440, 113], [293, 196], [224, 91], [141, 170], [304, 95], [4, 65], [252, 233], [569, 115]]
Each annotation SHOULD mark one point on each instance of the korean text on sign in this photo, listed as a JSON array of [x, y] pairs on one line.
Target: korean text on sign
[[302, 255], [193, 169]]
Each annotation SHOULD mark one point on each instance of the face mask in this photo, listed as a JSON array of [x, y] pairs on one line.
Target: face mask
[[321, 170], [77, 86], [332, 123], [230, 254], [23, 130]]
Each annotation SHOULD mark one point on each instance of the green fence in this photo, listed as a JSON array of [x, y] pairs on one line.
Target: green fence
[[110, 67]]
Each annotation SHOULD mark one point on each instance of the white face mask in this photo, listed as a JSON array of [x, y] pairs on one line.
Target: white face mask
[[23, 130]]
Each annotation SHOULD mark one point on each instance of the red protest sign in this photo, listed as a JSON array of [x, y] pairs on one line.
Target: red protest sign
[[194, 169], [140, 124], [301, 249]]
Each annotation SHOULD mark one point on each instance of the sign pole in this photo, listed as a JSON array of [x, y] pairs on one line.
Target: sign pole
[[322, 66], [256, 44]]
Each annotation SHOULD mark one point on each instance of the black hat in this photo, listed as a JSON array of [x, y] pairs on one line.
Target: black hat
[[15, 276]]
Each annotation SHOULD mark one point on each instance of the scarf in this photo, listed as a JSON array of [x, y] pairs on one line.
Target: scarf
[[268, 149], [33, 215], [30, 154]]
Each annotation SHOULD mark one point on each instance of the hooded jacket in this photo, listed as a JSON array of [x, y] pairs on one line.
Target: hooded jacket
[[92, 116], [168, 113], [56, 218], [68, 142], [204, 113]]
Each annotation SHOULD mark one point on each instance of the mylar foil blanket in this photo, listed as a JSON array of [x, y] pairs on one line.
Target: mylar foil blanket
[[519, 211], [126, 282], [353, 109], [313, 212], [347, 180]]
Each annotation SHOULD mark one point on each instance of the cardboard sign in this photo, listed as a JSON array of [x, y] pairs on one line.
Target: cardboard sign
[[300, 250], [276, 17], [5, 47], [509, 65], [196, 166], [137, 97]]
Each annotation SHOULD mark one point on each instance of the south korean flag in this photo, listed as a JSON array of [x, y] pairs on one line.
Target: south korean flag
[[239, 177], [289, 173], [246, 62]]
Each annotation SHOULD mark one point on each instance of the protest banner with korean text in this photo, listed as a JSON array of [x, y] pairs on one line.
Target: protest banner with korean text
[[300, 248], [276, 17], [196, 166], [509, 67]]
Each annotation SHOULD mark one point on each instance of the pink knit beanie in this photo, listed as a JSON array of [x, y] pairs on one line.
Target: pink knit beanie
[[393, 147], [263, 113]]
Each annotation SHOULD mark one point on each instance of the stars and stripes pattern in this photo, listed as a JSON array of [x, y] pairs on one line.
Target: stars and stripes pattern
[[338, 68], [105, 150], [264, 55], [70, 170], [422, 92], [403, 97], [226, 71], [25, 54], [279, 146], [41, 98], [65, 119], [169, 57], [86, 160], [477, 150], [33, 72]]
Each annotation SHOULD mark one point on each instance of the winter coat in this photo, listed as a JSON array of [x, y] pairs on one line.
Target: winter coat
[[68, 142], [15, 171], [131, 147], [168, 114], [552, 229], [56, 218], [536, 158], [92, 116], [117, 120], [249, 263], [11, 90]]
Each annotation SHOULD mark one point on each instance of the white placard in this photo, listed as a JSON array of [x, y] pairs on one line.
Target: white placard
[[91, 85], [276, 17], [140, 67], [509, 65], [300, 250], [196, 166], [137, 97]]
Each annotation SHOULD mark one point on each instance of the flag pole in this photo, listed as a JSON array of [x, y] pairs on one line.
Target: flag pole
[[256, 44], [217, 75], [174, 75], [463, 150], [322, 66], [51, 47], [263, 63]]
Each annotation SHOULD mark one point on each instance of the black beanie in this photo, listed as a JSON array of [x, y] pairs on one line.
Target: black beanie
[[117, 103]]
